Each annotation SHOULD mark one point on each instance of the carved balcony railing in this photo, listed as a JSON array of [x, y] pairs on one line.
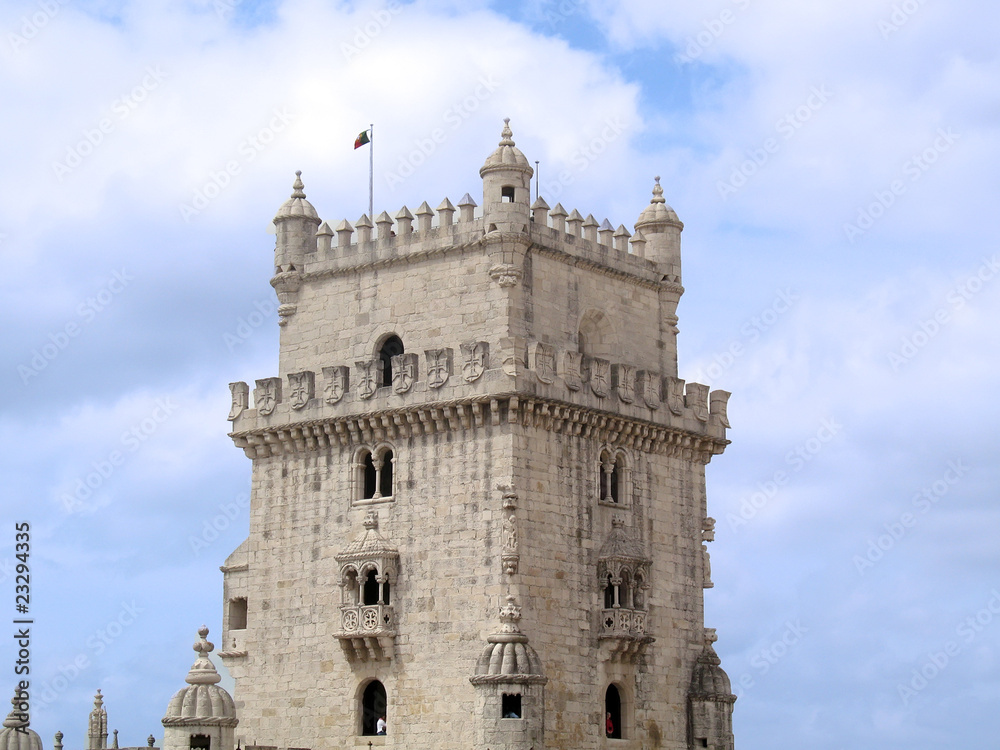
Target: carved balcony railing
[[623, 633], [367, 631]]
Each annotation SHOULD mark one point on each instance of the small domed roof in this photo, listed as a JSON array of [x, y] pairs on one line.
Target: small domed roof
[[507, 655], [297, 206], [710, 681], [507, 156], [202, 699], [16, 734], [658, 212]]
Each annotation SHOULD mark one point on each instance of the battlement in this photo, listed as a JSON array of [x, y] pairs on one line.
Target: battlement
[[408, 236]]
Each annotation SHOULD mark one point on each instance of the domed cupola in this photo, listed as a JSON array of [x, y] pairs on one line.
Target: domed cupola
[[659, 224], [510, 684], [506, 186], [201, 715], [16, 734]]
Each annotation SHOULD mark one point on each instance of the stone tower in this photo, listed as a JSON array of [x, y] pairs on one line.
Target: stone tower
[[478, 491]]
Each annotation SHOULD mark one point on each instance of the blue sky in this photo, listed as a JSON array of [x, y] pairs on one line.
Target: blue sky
[[835, 167]]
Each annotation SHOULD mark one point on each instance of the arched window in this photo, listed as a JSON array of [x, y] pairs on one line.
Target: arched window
[[371, 476], [613, 713], [373, 707], [390, 348], [596, 335], [371, 588], [613, 477], [374, 473], [609, 594], [385, 475]]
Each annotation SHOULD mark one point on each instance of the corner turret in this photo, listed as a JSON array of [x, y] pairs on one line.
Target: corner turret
[[661, 229], [201, 715], [296, 223], [506, 186]]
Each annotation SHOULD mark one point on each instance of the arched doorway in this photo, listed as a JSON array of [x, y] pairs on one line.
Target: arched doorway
[[613, 713], [373, 707]]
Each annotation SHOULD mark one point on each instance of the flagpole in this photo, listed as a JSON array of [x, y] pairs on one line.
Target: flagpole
[[371, 173]]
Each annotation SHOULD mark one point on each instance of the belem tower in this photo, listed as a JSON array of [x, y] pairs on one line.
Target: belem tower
[[478, 515]]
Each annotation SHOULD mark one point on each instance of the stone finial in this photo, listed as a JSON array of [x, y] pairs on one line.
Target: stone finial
[[203, 672], [57, 745], [297, 186], [371, 520], [657, 192], [17, 719], [114, 745], [150, 741], [510, 614], [98, 700], [507, 135]]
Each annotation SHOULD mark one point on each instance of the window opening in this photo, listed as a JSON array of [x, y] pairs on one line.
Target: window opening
[[371, 588], [393, 346], [510, 706], [385, 475], [371, 476], [609, 594], [613, 713], [507, 194], [238, 613], [373, 705], [201, 742]]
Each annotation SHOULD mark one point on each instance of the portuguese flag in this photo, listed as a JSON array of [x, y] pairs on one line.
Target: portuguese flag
[[362, 139]]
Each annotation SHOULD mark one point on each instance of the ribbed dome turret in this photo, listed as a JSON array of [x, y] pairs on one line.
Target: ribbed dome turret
[[297, 206], [202, 701], [710, 681], [15, 734], [507, 655], [507, 156]]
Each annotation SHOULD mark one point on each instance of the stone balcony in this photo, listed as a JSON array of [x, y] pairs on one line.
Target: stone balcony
[[623, 633], [367, 631]]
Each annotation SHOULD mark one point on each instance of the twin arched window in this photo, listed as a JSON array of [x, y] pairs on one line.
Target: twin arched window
[[613, 474], [374, 473]]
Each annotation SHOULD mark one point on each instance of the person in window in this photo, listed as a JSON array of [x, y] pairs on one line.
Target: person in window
[[380, 725], [609, 726]]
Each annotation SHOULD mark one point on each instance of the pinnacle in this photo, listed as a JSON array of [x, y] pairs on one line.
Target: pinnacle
[[297, 186]]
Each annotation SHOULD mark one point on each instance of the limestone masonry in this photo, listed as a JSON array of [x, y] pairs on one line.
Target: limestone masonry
[[478, 499]]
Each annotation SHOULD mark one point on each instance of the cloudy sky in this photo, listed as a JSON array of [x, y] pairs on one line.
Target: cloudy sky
[[834, 163]]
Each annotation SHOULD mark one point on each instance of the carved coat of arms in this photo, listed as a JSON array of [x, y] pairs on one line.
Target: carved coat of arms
[[475, 356], [336, 383], [438, 367], [267, 395], [600, 377], [368, 373], [404, 372], [241, 399], [301, 388]]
